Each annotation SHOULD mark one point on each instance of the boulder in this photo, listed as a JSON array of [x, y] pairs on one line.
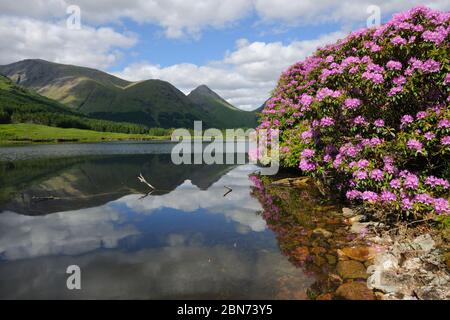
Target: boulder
[[424, 242], [355, 291], [347, 212], [351, 269], [322, 232], [360, 253]]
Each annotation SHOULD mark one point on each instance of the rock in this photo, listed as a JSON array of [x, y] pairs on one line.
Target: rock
[[303, 182], [318, 250], [326, 296], [347, 212], [331, 259], [351, 270], [432, 293], [412, 264], [387, 261], [355, 291], [323, 232], [447, 259], [361, 254], [335, 279], [301, 254], [355, 219], [341, 255], [425, 242], [319, 261], [359, 227], [392, 282]]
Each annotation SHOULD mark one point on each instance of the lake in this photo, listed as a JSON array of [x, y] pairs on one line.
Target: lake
[[82, 204]]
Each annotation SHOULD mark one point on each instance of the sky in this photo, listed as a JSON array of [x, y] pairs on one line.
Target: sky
[[236, 47]]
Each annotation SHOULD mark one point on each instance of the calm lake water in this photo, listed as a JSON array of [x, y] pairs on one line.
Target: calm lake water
[[63, 205]]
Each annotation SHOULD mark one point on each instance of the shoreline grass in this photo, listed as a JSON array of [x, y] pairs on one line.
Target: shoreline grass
[[23, 133]]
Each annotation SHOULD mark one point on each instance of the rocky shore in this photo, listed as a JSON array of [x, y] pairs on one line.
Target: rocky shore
[[399, 265], [351, 256]]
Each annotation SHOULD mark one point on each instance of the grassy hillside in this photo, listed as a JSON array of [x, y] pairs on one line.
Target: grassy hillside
[[152, 103], [219, 109], [34, 133], [19, 105]]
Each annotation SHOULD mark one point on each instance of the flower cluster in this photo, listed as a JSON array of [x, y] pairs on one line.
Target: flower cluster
[[371, 113]]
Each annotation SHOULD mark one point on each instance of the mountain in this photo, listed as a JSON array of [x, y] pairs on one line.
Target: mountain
[[219, 109], [89, 181], [153, 103], [18, 104]]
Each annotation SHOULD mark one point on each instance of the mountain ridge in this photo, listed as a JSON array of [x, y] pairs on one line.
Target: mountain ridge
[[152, 102]]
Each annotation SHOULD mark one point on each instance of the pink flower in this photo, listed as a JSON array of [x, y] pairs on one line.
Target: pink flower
[[360, 175], [421, 115], [445, 141], [307, 166], [407, 119], [326, 122], [395, 90], [359, 120], [429, 136], [395, 184], [437, 182], [399, 80], [307, 135], [411, 181], [431, 66], [370, 196], [413, 144], [387, 196], [398, 40], [352, 103], [353, 194], [445, 123], [377, 175], [379, 123], [437, 36], [394, 65], [441, 206], [308, 153]]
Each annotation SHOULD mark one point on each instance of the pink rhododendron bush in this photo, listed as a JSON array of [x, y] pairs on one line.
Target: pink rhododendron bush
[[370, 115]]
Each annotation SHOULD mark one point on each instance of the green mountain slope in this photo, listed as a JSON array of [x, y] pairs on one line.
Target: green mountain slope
[[20, 105], [153, 103], [220, 110]]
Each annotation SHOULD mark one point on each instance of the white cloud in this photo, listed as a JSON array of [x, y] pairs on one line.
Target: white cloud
[[29, 38], [71, 232], [176, 17], [244, 76], [81, 231], [238, 206], [322, 11], [179, 18]]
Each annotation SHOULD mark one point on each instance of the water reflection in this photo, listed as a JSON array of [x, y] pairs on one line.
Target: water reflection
[[82, 182], [185, 241]]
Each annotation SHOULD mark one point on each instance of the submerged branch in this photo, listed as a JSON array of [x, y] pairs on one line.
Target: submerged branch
[[229, 191], [142, 179]]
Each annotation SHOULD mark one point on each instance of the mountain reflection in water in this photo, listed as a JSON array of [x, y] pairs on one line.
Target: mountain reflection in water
[[186, 240]]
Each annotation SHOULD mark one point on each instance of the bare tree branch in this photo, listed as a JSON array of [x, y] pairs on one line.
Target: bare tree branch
[[229, 190], [142, 179]]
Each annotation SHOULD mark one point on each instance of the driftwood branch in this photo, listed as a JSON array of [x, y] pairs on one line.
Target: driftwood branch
[[229, 190], [142, 179], [146, 195], [34, 198]]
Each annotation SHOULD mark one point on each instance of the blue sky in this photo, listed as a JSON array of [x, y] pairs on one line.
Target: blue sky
[[236, 47], [153, 46]]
